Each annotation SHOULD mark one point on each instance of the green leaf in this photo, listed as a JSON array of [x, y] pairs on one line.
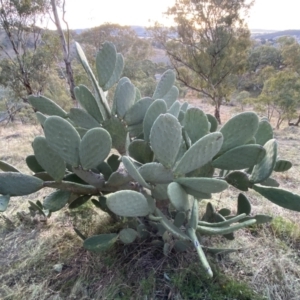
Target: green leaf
[[238, 179], [155, 173], [33, 164], [140, 151], [82, 119], [128, 235], [282, 165], [124, 98], [117, 72]]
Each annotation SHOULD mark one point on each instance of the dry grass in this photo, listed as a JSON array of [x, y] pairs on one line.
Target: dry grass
[[30, 250]]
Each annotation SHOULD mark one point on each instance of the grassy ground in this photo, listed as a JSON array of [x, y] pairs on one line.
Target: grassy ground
[[45, 260]]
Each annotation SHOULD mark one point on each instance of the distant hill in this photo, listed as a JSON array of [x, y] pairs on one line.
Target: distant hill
[[277, 34]]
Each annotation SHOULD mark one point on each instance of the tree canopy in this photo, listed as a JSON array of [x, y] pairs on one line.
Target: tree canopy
[[208, 47]]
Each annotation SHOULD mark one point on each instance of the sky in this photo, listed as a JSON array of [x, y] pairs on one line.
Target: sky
[[266, 14]]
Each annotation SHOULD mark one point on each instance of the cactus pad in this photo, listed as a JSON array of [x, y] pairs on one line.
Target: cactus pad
[[56, 200], [200, 153], [239, 130], [164, 85], [100, 243], [46, 106], [127, 235], [94, 148], [48, 159], [128, 204], [17, 184], [204, 185], [156, 173], [178, 197], [264, 169], [195, 123], [88, 102], [165, 139], [241, 157], [63, 138]]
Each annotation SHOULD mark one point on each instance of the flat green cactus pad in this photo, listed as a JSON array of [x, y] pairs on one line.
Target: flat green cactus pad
[[264, 132], [164, 85], [171, 96], [140, 151], [178, 197], [264, 169], [4, 202], [79, 201], [136, 113], [117, 132], [117, 72], [105, 62], [128, 204], [133, 172], [243, 205], [282, 165], [33, 164], [155, 173], [63, 138], [6, 167], [213, 123], [82, 119], [204, 185], [17, 184], [100, 243], [56, 200], [165, 139], [88, 102], [238, 179], [174, 109], [200, 153], [196, 124], [279, 196], [48, 159], [159, 192], [128, 235], [118, 179], [46, 106], [99, 94], [157, 108], [239, 158], [41, 117], [239, 130], [94, 148], [124, 98]]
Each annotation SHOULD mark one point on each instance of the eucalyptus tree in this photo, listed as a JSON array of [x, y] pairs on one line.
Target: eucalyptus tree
[[208, 46]]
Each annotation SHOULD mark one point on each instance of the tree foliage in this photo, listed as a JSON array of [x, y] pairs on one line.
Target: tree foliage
[[208, 46]]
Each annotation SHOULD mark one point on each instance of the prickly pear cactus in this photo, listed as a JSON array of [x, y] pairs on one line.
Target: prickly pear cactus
[[171, 156]]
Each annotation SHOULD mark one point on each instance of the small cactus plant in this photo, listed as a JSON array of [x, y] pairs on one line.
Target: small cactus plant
[[168, 153]]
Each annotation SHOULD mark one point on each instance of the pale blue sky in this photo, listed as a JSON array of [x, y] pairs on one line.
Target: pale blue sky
[[266, 14]]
